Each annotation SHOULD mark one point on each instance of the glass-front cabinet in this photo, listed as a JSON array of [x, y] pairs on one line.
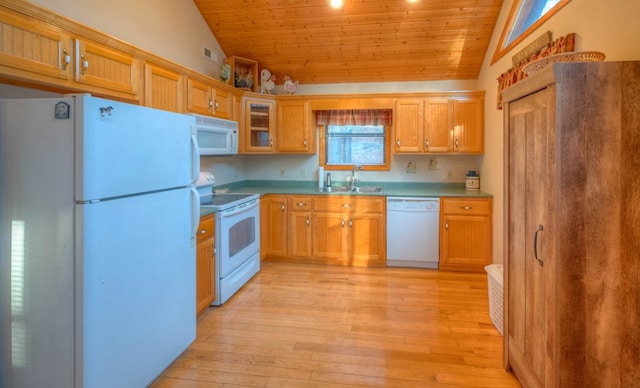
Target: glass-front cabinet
[[259, 123]]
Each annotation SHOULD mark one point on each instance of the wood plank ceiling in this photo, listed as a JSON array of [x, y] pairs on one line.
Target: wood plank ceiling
[[365, 41]]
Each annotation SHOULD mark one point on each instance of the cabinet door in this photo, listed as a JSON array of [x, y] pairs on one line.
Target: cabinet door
[[274, 232], [259, 126], [34, 49], [222, 103], [465, 243], [106, 68], [293, 126], [299, 227], [163, 88], [205, 264], [367, 240], [468, 126], [438, 125], [199, 98], [408, 124], [330, 236], [527, 280]]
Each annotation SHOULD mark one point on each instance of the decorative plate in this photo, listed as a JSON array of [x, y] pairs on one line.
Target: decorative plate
[[581, 56]]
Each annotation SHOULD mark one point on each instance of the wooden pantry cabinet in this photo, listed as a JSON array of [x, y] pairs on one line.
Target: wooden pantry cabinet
[[439, 124], [572, 236], [205, 264], [465, 234]]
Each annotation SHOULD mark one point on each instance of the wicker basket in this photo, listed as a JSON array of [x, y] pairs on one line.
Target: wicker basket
[[495, 278], [581, 56]]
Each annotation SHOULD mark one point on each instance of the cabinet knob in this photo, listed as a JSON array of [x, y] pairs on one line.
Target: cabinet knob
[[308, 222], [282, 206], [346, 205], [398, 142], [457, 143], [342, 222], [466, 207], [203, 231], [270, 142], [297, 204], [305, 143], [426, 143]]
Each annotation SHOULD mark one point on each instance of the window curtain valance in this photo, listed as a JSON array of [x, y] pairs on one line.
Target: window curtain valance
[[354, 117]]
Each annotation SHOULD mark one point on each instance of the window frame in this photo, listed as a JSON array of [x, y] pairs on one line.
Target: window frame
[[516, 7], [369, 167]]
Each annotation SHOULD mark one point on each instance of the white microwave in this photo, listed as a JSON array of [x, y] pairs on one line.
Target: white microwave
[[216, 136]]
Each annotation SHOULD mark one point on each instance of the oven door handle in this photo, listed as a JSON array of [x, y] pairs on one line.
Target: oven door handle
[[238, 209]]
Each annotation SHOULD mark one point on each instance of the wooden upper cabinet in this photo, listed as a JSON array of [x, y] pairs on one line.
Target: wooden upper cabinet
[[34, 50], [438, 125], [449, 124], [293, 127], [408, 125], [100, 66], [163, 88], [259, 125], [468, 126], [205, 99]]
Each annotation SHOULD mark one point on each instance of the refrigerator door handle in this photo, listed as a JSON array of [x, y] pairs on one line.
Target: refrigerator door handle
[[195, 214], [195, 156]]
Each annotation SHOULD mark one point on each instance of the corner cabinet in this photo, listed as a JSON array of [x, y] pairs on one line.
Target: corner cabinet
[[440, 124], [572, 236], [465, 234], [259, 125], [205, 264]]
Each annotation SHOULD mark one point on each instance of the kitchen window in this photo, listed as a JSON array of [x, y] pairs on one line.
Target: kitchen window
[[354, 137], [524, 18]]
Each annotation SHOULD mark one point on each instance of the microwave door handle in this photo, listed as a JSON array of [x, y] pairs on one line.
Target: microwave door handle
[[195, 157]]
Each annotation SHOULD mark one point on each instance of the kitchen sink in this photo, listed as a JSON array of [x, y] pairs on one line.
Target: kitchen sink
[[358, 189]]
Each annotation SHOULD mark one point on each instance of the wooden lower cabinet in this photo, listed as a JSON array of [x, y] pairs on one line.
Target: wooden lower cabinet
[[273, 229], [205, 264], [465, 234], [342, 230]]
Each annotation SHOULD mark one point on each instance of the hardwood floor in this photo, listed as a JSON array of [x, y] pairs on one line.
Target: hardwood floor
[[303, 325]]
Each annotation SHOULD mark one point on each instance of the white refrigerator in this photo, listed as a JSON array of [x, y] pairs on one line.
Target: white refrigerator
[[97, 250]]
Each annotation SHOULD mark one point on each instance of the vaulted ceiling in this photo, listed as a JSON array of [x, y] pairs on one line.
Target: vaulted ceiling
[[365, 41]]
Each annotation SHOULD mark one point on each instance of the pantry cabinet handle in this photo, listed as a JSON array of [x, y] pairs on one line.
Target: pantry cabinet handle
[[535, 245], [66, 59]]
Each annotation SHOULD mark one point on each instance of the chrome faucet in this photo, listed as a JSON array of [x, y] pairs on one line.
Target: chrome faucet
[[355, 180]]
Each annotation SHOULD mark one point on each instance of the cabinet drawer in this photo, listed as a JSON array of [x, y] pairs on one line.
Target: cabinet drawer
[[466, 206], [300, 204], [206, 228], [349, 204]]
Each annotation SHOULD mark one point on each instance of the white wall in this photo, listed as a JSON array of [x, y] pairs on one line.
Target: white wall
[[601, 25], [172, 29]]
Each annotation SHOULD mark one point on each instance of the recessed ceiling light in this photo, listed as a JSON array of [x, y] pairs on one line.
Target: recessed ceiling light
[[336, 3]]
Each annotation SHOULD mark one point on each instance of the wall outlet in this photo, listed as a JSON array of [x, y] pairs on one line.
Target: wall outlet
[[449, 174], [282, 173], [303, 172]]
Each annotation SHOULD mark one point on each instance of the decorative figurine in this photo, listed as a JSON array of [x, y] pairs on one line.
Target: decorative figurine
[[289, 85], [268, 81], [225, 71]]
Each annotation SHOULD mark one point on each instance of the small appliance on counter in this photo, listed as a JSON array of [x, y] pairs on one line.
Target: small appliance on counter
[[472, 181]]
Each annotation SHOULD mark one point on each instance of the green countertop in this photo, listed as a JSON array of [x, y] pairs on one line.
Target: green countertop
[[389, 189]]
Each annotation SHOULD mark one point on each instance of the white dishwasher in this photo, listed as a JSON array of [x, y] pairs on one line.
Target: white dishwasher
[[413, 232]]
